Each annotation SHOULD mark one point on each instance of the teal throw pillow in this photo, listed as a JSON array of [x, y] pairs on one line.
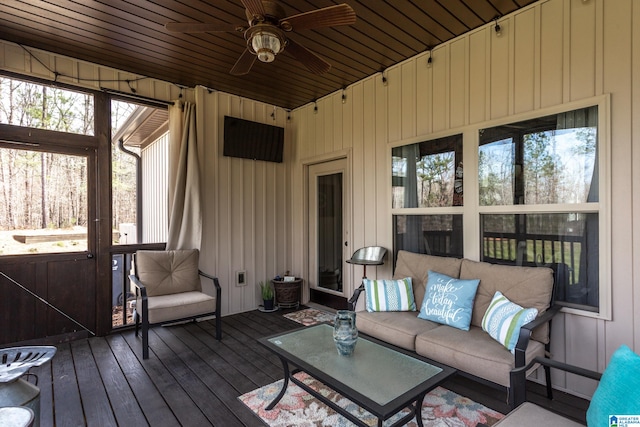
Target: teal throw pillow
[[448, 300], [619, 390], [389, 295], [503, 320]]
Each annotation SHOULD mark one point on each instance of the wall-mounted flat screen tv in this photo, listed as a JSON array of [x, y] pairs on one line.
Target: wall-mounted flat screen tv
[[252, 140]]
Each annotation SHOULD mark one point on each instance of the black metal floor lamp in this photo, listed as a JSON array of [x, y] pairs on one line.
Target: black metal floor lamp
[[369, 255]]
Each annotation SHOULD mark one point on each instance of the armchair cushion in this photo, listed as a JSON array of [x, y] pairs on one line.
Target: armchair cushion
[[168, 272], [165, 308]]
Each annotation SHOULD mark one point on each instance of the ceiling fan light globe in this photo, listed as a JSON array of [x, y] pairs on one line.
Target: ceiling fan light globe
[[265, 55], [266, 45]]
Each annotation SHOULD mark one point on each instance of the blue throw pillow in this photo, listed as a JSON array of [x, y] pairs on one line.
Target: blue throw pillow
[[448, 300], [389, 295], [619, 390]]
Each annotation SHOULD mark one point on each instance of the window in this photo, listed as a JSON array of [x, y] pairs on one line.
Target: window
[[550, 160], [428, 175], [539, 199], [45, 107], [428, 234], [529, 167]]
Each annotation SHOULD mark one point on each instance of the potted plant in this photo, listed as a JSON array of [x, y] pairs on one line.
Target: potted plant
[[267, 295]]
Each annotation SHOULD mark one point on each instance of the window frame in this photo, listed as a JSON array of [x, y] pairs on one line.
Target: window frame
[[472, 210]]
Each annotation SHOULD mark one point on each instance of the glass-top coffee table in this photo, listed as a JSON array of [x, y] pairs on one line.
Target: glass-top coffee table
[[378, 377]]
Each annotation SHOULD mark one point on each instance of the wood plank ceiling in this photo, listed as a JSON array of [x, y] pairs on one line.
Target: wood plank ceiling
[[129, 35]]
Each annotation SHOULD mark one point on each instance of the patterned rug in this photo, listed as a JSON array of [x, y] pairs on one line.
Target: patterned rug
[[310, 316], [440, 408]]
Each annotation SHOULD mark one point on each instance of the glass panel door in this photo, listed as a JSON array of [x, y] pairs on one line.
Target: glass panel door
[[328, 229]]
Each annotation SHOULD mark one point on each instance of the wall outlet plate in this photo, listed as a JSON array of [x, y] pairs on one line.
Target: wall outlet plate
[[241, 278]]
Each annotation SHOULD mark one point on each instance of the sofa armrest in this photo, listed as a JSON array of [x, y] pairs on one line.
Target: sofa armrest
[[519, 375], [525, 333], [353, 301]]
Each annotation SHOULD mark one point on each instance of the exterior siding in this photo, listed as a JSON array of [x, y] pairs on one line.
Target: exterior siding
[[155, 191]]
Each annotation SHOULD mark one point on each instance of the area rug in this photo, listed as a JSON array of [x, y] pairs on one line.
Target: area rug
[[440, 408], [310, 316]]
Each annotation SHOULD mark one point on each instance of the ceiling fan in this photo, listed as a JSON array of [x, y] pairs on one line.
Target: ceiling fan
[[266, 33]]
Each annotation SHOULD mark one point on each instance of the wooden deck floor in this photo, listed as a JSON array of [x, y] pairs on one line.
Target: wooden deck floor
[[190, 378]]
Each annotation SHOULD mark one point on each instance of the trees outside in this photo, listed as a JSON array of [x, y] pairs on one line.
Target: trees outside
[[45, 192], [436, 173], [557, 166], [123, 170], [424, 174]]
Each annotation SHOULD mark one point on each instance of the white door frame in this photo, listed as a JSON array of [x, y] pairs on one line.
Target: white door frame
[[309, 266]]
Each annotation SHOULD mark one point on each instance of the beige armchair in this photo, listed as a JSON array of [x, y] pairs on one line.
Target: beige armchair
[[167, 287]]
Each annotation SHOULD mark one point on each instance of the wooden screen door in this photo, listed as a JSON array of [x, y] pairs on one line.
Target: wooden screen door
[[329, 232], [53, 256]]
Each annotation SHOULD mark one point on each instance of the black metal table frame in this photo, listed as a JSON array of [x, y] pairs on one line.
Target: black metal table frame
[[412, 399]]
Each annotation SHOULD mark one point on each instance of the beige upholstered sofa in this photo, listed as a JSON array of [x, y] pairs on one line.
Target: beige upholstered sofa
[[472, 352]]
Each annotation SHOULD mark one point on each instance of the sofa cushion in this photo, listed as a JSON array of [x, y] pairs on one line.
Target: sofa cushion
[[389, 295], [472, 351], [397, 328], [503, 320], [168, 272], [529, 287], [619, 390], [448, 301], [417, 267]]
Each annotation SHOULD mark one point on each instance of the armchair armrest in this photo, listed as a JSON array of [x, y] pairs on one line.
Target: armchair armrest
[[216, 283], [212, 278], [518, 375], [141, 290], [525, 333]]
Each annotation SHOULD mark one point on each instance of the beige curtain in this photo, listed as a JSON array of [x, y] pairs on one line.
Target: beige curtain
[[185, 215]]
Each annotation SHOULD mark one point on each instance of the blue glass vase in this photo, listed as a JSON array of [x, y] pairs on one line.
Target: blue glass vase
[[345, 333]]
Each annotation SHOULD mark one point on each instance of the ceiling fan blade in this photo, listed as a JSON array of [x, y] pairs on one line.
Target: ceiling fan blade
[[313, 62], [340, 14], [199, 27], [254, 7], [244, 63]]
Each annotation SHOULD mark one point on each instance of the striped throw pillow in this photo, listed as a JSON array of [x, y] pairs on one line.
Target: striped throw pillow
[[503, 320], [389, 295]]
